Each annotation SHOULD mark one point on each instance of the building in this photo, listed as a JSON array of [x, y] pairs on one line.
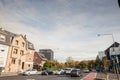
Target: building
[[49, 54], [16, 55], [28, 63], [5, 41], [107, 51], [112, 52], [101, 54], [16, 52], [39, 61], [21, 55]]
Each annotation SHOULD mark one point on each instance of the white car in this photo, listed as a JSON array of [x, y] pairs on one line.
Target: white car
[[86, 71], [68, 70], [30, 72], [60, 71]]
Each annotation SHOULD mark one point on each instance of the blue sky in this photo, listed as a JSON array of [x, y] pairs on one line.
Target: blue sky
[[69, 27]]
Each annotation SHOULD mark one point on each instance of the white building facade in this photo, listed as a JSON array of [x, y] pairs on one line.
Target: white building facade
[[3, 56]]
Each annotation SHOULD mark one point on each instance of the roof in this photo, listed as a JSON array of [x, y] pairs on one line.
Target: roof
[[115, 44], [30, 45], [41, 56]]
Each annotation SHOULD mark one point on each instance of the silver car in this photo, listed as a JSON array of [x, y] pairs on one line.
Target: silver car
[[76, 73], [30, 72]]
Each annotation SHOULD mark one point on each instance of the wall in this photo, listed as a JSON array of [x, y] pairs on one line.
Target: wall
[[3, 55]]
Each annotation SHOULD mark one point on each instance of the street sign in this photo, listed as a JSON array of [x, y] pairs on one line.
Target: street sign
[[107, 63]]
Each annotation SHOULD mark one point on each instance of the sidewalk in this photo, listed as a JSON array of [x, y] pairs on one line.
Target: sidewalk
[[8, 74], [107, 76]]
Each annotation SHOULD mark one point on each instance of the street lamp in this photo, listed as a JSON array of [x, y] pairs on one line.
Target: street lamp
[[107, 34], [116, 58]]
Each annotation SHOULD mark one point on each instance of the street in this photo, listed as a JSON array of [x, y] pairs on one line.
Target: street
[[42, 77]]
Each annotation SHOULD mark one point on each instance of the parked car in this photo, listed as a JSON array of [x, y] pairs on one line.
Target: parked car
[[86, 71], [59, 72], [76, 73], [68, 71], [29, 72], [44, 73], [98, 69], [47, 72]]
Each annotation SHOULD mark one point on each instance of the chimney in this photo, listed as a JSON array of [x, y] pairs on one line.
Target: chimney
[[25, 36]]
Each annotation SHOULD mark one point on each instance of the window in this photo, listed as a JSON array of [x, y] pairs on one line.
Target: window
[[28, 65], [22, 52], [2, 50], [13, 60], [23, 44], [30, 45], [16, 42], [15, 51], [2, 38]]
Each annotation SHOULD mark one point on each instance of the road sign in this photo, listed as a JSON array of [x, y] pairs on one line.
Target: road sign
[[107, 63]]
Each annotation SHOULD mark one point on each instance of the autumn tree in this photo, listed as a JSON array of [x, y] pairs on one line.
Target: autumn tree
[[70, 62], [98, 62]]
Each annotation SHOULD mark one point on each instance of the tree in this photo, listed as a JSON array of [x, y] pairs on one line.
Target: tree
[[47, 65], [82, 64], [97, 61], [91, 64], [70, 62]]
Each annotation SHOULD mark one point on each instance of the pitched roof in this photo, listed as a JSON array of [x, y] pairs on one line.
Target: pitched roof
[[115, 44]]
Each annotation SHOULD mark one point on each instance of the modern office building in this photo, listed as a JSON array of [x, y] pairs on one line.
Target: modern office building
[[48, 53]]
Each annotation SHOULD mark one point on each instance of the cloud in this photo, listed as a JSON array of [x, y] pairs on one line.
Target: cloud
[[68, 27]]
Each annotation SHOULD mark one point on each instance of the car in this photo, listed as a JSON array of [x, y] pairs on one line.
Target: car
[[76, 73], [59, 72], [86, 71], [44, 73], [29, 72], [47, 72], [68, 71]]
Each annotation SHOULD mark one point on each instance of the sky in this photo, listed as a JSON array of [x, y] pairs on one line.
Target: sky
[[68, 27]]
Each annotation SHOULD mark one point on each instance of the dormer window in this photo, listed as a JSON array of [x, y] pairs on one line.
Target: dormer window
[[30, 45], [16, 42], [2, 37]]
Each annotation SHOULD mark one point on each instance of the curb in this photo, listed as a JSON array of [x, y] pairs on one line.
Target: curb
[[99, 79]]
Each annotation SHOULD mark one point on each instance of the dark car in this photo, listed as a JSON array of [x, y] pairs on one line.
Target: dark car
[[44, 73], [47, 72], [76, 73]]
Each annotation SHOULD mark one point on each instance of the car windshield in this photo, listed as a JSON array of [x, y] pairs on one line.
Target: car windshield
[[74, 70]]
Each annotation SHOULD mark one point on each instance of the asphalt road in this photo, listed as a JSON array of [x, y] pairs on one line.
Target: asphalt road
[[42, 77]]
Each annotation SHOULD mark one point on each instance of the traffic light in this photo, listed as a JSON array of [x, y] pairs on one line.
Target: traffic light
[[119, 3]]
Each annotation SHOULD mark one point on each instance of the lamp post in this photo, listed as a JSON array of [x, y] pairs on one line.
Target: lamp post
[[116, 58]]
